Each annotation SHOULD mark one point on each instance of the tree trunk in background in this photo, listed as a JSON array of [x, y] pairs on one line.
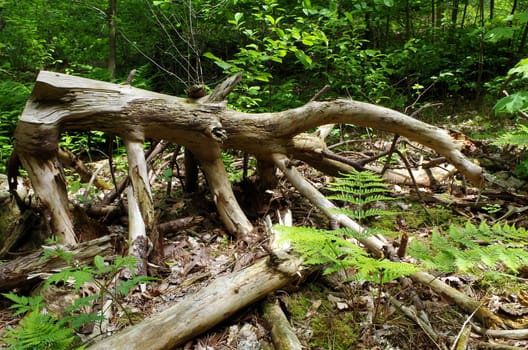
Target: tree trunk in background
[[111, 16], [454, 13], [524, 37], [514, 7], [481, 54], [440, 5], [407, 20], [492, 9], [464, 13], [434, 5]]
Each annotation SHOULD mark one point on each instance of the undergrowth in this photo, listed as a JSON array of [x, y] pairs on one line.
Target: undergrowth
[[362, 193], [40, 329], [485, 251], [490, 251]]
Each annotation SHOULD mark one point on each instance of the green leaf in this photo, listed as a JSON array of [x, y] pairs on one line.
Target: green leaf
[[512, 103], [499, 33], [522, 17], [238, 17], [270, 19], [520, 68], [218, 61], [305, 60], [100, 264]]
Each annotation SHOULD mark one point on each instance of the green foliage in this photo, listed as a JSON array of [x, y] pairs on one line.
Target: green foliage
[[515, 103], [102, 275], [23, 304], [474, 249], [14, 96], [518, 137], [335, 249], [360, 190], [39, 330]]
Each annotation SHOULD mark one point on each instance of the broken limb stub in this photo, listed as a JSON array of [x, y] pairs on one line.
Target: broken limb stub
[[205, 126]]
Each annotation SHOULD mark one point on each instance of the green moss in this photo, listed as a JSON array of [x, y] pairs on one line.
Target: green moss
[[417, 217], [334, 330], [331, 328]]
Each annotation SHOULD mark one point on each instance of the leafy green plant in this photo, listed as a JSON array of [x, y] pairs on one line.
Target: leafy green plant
[[14, 96], [512, 104], [518, 137], [37, 330], [517, 101], [336, 249], [360, 190], [102, 275], [41, 330], [474, 249]]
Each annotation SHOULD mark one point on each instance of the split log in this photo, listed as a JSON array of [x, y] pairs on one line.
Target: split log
[[26, 269], [201, 311], [205, 126]]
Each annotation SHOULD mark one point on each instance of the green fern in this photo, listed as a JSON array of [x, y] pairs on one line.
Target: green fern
[[39, 331], [331, 249], [474, 248], [360, 190], [334, 249], [517, 137]]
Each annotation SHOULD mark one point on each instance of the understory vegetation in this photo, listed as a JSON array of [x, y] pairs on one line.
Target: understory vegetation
[[462, 65]]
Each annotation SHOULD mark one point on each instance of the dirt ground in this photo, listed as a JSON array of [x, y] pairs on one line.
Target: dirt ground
[[324, 311]]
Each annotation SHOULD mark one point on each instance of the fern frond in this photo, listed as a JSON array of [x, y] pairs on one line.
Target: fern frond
[[356, 191], [518, 137], [39, 331], [471, 248], [360, 214], [329, 248], [357, 200]]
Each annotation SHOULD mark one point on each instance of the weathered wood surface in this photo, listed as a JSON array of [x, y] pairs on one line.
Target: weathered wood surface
[[201, 311], [21, 271], [205, 126], [282, 333]]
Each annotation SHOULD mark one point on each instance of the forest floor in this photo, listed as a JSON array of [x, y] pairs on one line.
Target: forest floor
[[324, 311]]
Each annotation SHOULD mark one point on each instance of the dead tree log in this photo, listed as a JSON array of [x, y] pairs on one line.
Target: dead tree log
[[21, 271], [205, 126], [200, 311]]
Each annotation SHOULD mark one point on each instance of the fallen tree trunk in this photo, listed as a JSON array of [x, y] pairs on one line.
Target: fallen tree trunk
[[22, 271], [205, 126], [201, 311]]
